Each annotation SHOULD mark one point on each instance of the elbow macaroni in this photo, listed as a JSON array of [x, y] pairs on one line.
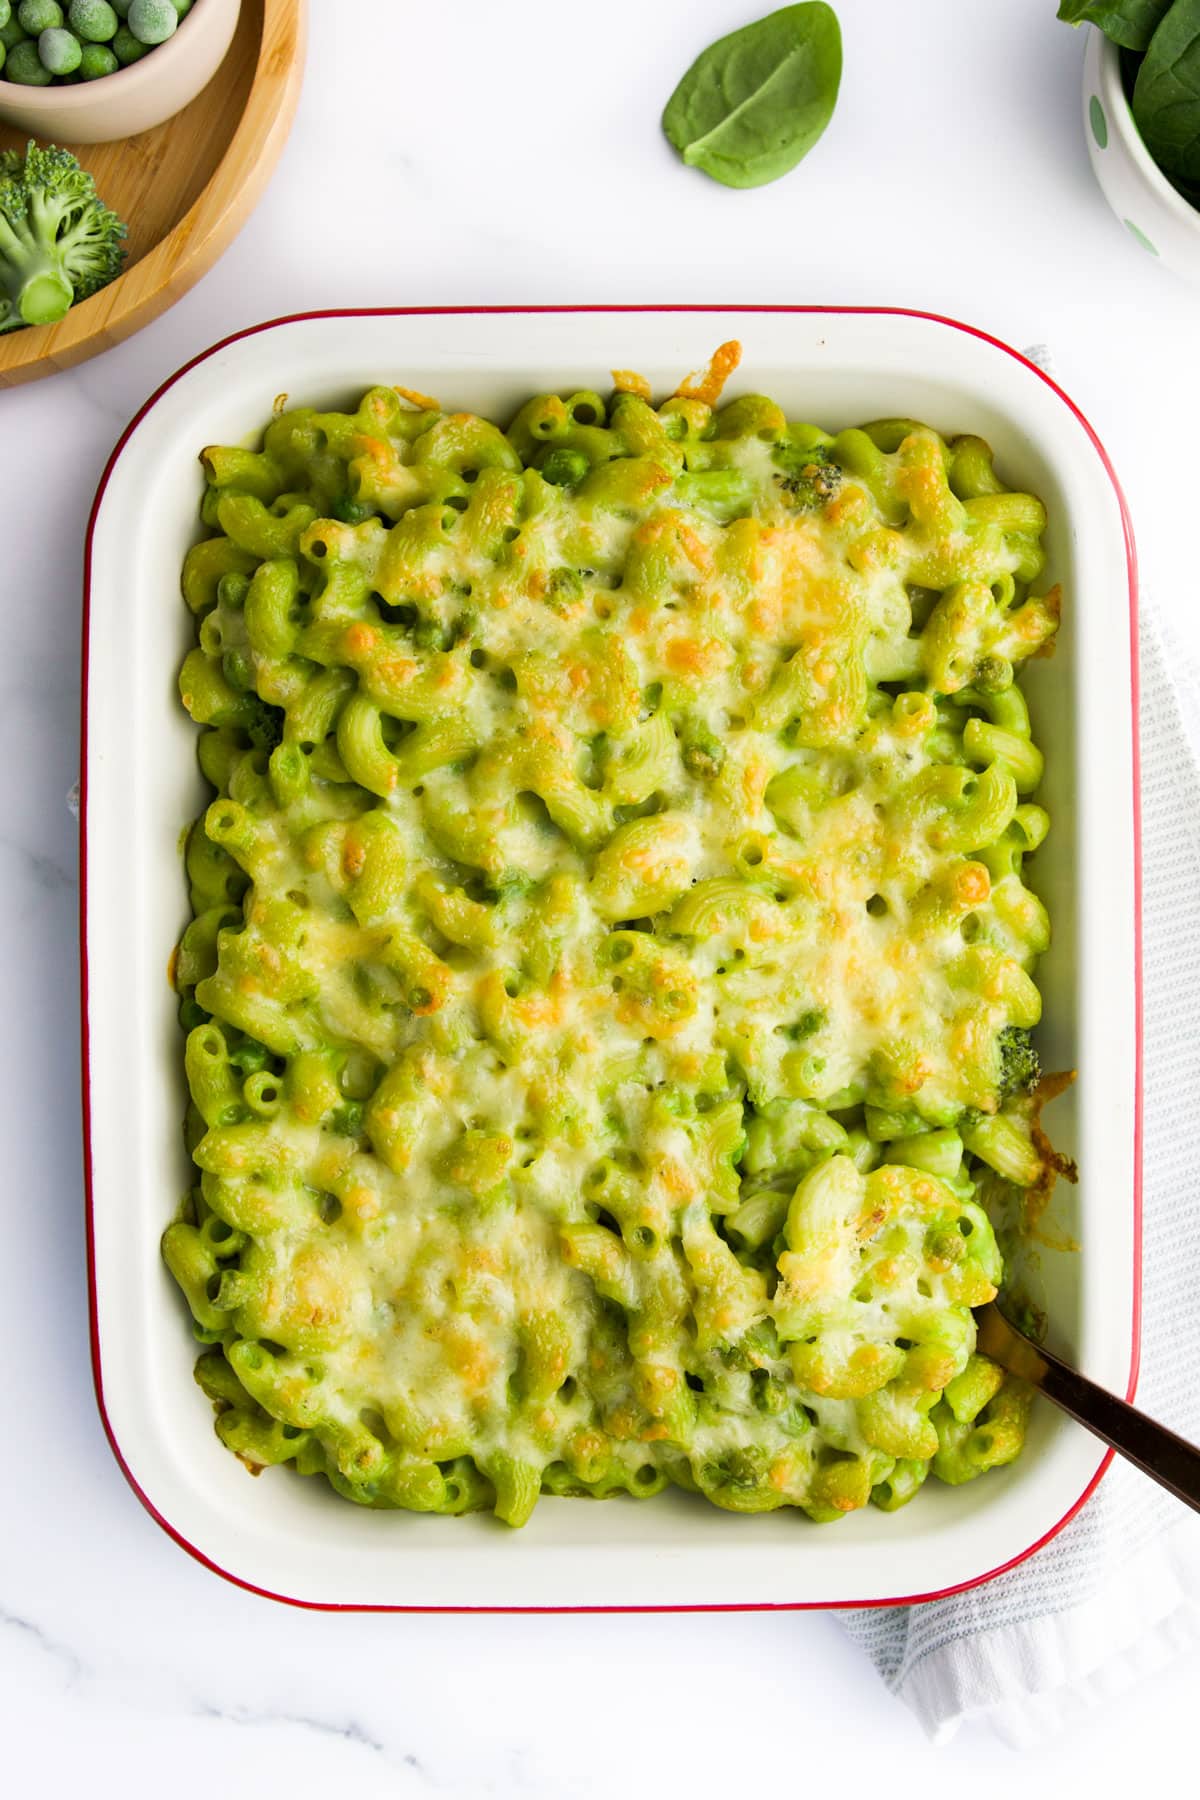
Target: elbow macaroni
[[605, 923]]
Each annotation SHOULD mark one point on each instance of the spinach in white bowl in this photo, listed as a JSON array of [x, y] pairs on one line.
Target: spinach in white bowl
[[1159, 45], [1141, 105]]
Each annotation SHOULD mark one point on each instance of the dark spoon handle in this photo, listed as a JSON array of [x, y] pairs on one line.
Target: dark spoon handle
[[1165, 1457]]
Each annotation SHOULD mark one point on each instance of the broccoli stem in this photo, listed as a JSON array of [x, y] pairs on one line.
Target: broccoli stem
[[40, 292], [45, 298]]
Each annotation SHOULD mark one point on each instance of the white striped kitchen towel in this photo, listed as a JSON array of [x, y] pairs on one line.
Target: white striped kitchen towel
[[1116, 1595]]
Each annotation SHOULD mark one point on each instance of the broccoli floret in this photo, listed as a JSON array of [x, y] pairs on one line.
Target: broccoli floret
[[565, 589], [703, 751], [807, 1025], [754, 1349], [350, 511], [58, 241], [992, 674], [513, 884], [249, 1056], [347, 1119], [262, 723], [808, 477], [1020, 1069]]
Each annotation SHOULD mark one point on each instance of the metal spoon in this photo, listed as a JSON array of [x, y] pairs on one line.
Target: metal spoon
[[1159, 1453]]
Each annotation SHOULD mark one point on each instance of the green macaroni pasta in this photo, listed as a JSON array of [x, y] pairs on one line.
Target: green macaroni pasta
[[608, 992]]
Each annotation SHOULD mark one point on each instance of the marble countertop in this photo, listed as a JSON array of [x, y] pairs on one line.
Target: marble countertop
[[477, 153]]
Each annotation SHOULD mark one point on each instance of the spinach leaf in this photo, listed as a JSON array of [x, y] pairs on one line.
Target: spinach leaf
[[1166, 94], [755, 102], [1130, 23]]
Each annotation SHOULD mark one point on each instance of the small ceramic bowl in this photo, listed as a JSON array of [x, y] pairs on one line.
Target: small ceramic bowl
[[1160, 219], [135, 98]]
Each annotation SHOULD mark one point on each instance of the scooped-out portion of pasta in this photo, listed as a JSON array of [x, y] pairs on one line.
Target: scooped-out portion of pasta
[[609, 988]]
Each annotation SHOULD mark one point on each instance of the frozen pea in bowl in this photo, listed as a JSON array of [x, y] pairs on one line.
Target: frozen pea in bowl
[[89, 71]]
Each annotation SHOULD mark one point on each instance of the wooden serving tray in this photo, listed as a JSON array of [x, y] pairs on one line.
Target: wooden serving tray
[[185, 189]]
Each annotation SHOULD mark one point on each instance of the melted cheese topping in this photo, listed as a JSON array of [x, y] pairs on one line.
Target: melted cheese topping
[[621, 847]]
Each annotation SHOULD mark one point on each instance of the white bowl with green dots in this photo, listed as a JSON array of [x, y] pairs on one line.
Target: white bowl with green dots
[[294, 1539], [1158, 218], [135, 98]]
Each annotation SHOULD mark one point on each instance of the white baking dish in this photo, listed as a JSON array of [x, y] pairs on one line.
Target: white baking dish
[[294, 1539]]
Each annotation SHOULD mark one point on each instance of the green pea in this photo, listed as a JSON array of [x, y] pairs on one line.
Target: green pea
[[238, 670], [153, 21], [126, 48], [563, 468], [97, 61], [13, 32], [39, 15], [60, 51], [93, 20], [25, 65], [5, 12]]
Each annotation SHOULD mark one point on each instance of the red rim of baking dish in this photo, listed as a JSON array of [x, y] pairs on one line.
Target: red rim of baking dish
[[376, 312]]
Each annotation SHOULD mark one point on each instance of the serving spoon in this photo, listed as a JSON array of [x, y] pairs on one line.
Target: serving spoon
[[1157, 1452]]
